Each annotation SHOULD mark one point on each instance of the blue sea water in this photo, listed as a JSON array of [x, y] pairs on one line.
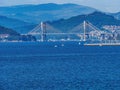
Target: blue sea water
[[58, 66]]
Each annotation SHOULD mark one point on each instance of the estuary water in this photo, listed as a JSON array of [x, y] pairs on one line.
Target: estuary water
[[58, 66]]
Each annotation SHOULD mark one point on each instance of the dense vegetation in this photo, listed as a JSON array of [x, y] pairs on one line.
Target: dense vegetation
[[4, 30]]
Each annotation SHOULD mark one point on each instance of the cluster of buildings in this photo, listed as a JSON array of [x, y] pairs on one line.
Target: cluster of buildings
[[112, 28]]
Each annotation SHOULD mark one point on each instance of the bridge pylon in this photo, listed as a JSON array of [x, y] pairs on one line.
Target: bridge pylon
[[43, 33]]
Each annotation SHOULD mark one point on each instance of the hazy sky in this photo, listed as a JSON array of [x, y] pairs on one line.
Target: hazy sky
[[104, 5]]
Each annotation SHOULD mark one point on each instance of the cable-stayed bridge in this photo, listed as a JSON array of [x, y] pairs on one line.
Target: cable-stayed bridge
[[85, 31]]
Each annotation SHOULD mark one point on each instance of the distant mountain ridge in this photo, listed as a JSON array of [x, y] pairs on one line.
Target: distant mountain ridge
[[8, 31], [23, 18], [116, 15], [13, 23], [98, 19], [44, 12]]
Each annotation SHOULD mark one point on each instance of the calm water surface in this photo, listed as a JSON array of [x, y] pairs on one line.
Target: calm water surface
[[59, 66]]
